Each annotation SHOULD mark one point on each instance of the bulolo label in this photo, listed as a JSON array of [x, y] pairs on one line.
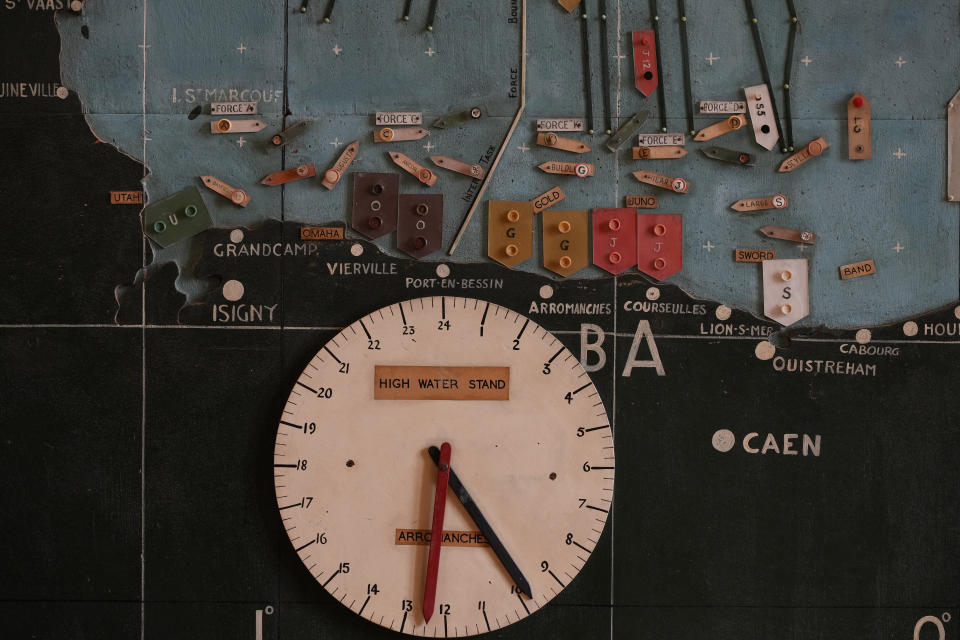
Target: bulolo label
[[786, 293], [722, 107], [400, 382], [661, 139], [559, 124], [398, 117], [761, 116]]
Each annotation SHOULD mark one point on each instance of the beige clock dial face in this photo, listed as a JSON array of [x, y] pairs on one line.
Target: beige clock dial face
[[530, 441]]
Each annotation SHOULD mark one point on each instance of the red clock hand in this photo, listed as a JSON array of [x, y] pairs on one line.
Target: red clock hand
[[436, 531]]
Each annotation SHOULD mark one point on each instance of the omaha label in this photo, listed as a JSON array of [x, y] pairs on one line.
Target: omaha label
[[559, 124], [400, 382], [661, 139], [399, 117], [232, 108], [754, 255], [321, 233], [722, 107], [858, 270]]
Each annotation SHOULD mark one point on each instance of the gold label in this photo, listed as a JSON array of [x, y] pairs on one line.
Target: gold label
[[126, 197], [858, 270], [399, 382], [640, 202], [450, 538], [321, 233], [754, 255], [546, 200]]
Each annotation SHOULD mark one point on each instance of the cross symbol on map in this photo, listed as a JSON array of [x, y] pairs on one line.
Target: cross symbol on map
[[899, 247], [619, 57], [709, 246], [241, 48], [336, 142], [241, 141], [806, 61], [336, 49], [429, 147], [899, 153], [523, 147], [900, 62], [711, 58], [430, 52]]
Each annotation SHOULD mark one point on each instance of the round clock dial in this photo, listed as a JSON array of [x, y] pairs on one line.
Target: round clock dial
[[358, 460]]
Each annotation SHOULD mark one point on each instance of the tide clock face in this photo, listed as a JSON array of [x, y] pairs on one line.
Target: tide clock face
[[529, 442]]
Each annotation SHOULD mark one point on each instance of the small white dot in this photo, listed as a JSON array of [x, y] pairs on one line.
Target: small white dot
[[236, 236], [546, 292], [956, 312], [653, 293], [62, 92], [356, 249], [723, 440], [864, 336], [232, 290], [76, 5], [443, 270], [723, 312], [910, 328], [764, 350]]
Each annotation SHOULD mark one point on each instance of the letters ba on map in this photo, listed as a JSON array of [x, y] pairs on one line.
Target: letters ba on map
[[398, 382]]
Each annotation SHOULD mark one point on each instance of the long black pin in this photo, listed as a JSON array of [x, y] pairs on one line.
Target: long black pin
[[587, 84], [406, 9], [329, 12], [471, 507], [787, 70], [431, 18], [303, 6], [661, 94], [685, 55], [755, 28], [605, 68]]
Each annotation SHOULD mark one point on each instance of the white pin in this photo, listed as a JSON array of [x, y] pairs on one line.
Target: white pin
[[786, 290], [761, 116]]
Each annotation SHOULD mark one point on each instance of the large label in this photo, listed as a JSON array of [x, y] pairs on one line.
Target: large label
[[661, 139], [722, 107], [399, 382], [559, 124], [233, 108]]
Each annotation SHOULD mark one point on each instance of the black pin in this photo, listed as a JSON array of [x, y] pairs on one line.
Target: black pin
[[661, 92], [605, 68], [787, 68], [585, 56], [303, 6], [433, 15], [685, 54], [406, 9], [764, 72]]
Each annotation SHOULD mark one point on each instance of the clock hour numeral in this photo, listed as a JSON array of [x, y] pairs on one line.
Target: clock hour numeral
[[301, 465], [324, 392], [544, 566], [569, 539], [583, 501], [580, 432], [586, 466], [568, 397], [322, 538], [310, 427], [482, 605], [373, 345], [406, 605], [344, 367], [516, 344], [409, 329], [444, 609], [372, 589], [306, 501], [443, 325], [546, 368], [344, 567]]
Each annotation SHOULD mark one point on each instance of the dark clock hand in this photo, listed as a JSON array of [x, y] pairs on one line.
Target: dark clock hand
[[436, 532], [464, 496]]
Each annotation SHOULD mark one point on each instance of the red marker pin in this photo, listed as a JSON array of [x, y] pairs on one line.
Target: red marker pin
[[436, 532]]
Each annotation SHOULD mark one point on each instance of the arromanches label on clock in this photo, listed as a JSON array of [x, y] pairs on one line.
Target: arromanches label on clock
[[450, 538], [401, 382]]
